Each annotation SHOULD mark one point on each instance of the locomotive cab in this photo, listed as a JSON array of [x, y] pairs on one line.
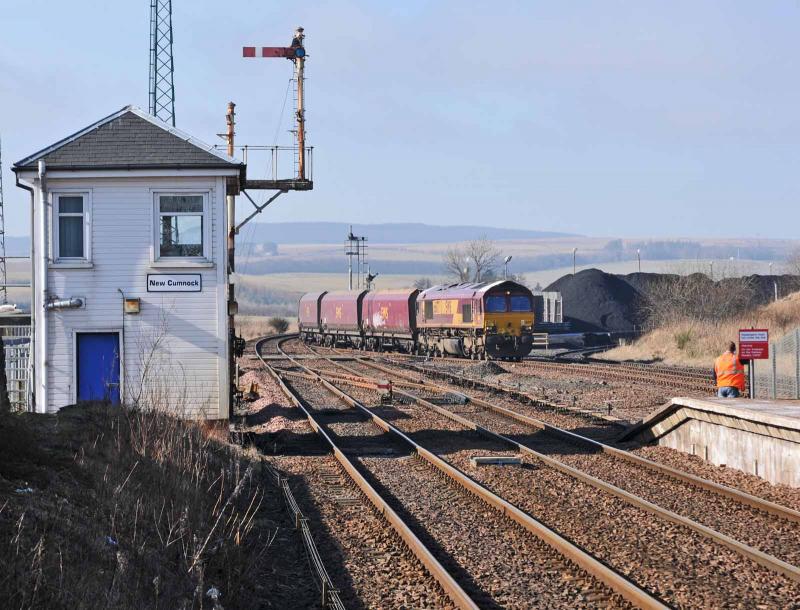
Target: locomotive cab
[[476, 320], [508, 320]]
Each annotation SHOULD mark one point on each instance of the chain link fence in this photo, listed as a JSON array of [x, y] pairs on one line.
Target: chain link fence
[[779, 377]]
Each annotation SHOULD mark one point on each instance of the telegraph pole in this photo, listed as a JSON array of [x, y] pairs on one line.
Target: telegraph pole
[[230, 120]]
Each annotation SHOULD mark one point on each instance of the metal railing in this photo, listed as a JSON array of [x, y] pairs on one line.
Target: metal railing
[[17, 348], [779, 376], [274, 162]]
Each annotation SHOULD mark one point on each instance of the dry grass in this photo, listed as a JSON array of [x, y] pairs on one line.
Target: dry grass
[[104, 507], [697, 343], [252, 327]]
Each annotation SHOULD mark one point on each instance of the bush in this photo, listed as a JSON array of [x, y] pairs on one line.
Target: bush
[[683, 338], [278, 324]]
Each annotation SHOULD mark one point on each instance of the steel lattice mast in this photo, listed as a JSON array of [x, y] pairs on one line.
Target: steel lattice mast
[[162, 85], [3, 274]]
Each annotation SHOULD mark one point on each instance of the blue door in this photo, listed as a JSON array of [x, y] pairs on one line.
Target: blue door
[[98, 367]]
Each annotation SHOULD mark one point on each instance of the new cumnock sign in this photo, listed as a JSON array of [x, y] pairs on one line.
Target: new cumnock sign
[[174, 282]]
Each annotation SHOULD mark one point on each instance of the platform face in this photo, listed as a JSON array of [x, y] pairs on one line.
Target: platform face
[[761, 437]]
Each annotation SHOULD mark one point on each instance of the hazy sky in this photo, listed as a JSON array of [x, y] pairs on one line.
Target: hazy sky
[[603, 118]]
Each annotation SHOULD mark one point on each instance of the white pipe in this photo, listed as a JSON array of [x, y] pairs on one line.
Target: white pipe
[[70, 303], [41, 310]]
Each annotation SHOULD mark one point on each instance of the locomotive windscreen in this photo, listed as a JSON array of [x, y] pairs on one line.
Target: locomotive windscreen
[[496, 304], [520, 302]]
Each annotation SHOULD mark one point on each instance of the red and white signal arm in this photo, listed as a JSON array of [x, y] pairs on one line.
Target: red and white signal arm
[[753, 343]]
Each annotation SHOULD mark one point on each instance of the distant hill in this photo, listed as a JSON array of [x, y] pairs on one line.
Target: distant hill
[[388, 233]]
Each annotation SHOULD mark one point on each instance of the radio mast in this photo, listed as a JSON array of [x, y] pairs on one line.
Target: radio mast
[[162, 68]]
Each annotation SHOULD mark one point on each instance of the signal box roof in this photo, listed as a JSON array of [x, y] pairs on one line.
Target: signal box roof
[[129, 139]]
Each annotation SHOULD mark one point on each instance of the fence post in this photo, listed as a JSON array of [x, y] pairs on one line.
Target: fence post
[[774, 358], [797, 362]]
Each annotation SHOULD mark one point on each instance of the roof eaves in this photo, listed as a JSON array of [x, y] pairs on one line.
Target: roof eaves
[[131, 167]]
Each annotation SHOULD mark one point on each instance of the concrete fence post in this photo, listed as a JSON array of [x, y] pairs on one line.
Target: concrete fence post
[[797, 363], [774, 358]]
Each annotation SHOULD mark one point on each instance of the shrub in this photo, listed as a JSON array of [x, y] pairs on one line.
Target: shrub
[[683, 338], [278, 324]]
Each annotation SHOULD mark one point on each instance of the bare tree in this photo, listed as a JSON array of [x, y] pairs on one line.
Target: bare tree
[[485, 257], [456, 263], [423, 283], [475, 261]]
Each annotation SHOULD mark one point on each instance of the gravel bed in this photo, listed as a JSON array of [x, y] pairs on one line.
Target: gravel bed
[[677, 565], [366, 560], [693, 464], [503, 567], [363, 555], [616, 514], [768, 533], [751, 484], [496, 562], [688, 571], [629, 400]]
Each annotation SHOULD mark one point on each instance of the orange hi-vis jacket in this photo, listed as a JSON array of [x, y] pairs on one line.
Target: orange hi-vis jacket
[[730, 371]]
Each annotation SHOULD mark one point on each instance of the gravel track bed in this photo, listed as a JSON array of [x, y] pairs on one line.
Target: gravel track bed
[[697, 569], [364, 557], [630, 400], [676, 564], [760, 530], [704, 574], [498, 564], [736, 479], [693, 464]]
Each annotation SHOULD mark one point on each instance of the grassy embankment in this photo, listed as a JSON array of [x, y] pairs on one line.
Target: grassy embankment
[[113, 508], [696, 343]]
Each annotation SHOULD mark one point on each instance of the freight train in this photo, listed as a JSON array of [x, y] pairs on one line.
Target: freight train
[[472, 320]]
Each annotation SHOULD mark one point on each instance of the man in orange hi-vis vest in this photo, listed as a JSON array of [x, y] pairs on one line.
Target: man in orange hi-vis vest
[[729, 374]]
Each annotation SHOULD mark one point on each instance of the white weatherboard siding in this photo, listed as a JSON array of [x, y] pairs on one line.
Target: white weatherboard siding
[[188, 369]]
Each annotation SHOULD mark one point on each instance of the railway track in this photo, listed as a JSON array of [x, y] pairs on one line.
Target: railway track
[[485, 542], [684, 378], [763, 524]]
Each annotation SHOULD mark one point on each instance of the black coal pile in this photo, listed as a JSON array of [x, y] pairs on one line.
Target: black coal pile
[[597, 301]]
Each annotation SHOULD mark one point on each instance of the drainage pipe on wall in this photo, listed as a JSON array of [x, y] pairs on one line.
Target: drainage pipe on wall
[[44, 256], [32, 261]]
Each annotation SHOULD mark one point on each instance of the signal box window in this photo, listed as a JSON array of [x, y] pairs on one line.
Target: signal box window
[[520, 303], [466, 312], [496, 304], [70, 236], [181, 226]]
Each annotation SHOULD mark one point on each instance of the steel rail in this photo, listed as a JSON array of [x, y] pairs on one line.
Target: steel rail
[[414, 544], [660, 376], [603, 573], [769, 561]]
